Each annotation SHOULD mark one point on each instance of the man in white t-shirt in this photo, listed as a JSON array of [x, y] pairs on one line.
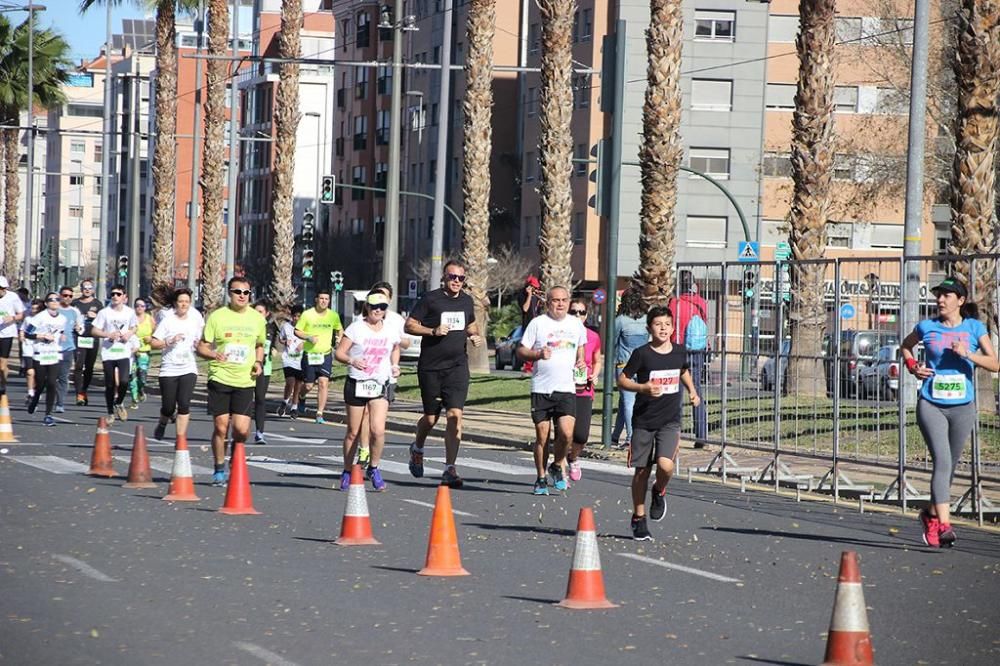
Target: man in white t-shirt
[[555, 343], [115, 327], [11, 312]]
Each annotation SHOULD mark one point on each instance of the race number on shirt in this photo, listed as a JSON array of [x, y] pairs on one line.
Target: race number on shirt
[[117, 348], [48, 357], [367, 389], [669, 381], [580, 376], [85, 343], [315, 359], [948, 386], [455, 321], [237, 353]]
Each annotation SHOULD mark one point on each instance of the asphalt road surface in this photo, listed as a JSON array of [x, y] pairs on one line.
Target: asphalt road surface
[[91, 573]]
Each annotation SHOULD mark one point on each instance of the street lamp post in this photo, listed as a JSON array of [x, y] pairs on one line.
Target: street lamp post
[[29, 208]]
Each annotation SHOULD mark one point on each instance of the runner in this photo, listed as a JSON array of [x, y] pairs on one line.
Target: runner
[[370, 349], [955, 343], [320, 327], [585, 382], [233, 340], [264, 378], [11, 312], [444, 318], [115, 325], [140, 369], [556, 344], [74, 324], [655, 371], [177, 335], [86, 348], [28, 349], [46, 330], [291, 362]]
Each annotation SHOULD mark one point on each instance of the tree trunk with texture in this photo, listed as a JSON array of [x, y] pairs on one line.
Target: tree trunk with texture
[[164, 147], [12, 192]]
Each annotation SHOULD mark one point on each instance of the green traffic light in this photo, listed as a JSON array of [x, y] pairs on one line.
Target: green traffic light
[[307, 273]]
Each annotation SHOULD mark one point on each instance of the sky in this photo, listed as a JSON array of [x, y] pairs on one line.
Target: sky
[[84, 32]]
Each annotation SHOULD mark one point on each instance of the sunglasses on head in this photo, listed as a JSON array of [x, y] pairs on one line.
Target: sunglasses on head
[[379, 306], [240, 292], [455, 278], [578, 312]]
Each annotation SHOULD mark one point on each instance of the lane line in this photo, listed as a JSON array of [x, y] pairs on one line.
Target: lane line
[[161, 464], [53, 464], [284, 467], [286, 438], [263, 654], [618, 470], [85, 568], [431, 506], [680, 567], [389, 466], [499, 468]]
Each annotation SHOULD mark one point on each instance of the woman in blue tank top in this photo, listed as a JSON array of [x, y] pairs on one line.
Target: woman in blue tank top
[[955, 343]]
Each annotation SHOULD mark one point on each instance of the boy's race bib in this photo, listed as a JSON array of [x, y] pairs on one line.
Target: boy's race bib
[[669, 381]]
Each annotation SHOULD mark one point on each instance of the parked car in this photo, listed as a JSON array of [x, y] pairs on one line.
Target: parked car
[[773, 367], [505, 351], [880, 379], [857, 349]]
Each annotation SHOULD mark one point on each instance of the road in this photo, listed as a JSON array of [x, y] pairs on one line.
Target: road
[[92, 573]]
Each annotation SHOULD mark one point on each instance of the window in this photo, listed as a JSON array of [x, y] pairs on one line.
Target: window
[[711, 161], [361, 82], [360, 132], [76, 181], [887, 236], [97, 185], [576, 26], [714, 26], [77, 147], [581, 91], [711, 95], [98, 153], [778, 165], [436, 55], [586, 25], [382, 128], [435, 115], [838, 234], [363, 38], [532, 101], [76, 211], [384, 84], [432, 171], [876, 32], [845, 99], [848, 28], [85, 110], [580, 168], [706, 231], [381, 177], [579, 228], [780, 96], [533, 38], [358, 177], [890, 101], [783, 28]]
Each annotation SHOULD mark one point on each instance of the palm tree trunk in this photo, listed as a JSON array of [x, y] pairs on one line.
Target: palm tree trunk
[[212, 260], [812, 162], [286, 122], [12, 192], [164, 147], [478, 128], [661, 152], [556, 150]]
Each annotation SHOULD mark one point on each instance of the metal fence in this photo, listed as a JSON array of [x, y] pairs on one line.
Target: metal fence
[[813, 418]]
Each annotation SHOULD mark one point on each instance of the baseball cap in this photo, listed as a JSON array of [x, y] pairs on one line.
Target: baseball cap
[[533, 281], [3, 283], [951, 285]]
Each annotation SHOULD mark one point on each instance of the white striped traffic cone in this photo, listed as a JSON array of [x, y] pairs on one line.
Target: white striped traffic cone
[[181, 478], [6, 426], [356, 530], [586, 582], [849, 642]]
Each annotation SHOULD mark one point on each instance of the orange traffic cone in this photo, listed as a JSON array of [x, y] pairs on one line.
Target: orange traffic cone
[[6, 426], [238, 502], [181, 481], [356, 528], [443, 558], [849, 643], [139, 473], [586, 582], [100, 459]]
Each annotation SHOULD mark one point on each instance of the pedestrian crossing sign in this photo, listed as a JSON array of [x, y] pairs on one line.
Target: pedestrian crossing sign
[[749, 251]]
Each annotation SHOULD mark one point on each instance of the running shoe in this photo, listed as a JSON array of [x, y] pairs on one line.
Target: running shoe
[[134, 405], [142, 396], [121, 412], [159, 431], [60, 409], [258, 439], [639, 530], [32, 406], [946, 535], [658, 504], [556, 474], [375, 476], [451, 478], [293, 413], [364, 455], [282, 408], [220, 478], [109, 419], [301, 407], [575, 471], [416, 461], [49, 421], [345, 480], [320, 420], [27, 400], [541, 487], [81, 399], [931, 529]]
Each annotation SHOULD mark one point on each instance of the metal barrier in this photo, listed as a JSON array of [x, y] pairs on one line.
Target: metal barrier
[[840, 404]]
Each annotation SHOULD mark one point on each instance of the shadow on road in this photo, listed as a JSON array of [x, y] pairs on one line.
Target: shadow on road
[[760, 660], [534, 600], [555, 531], [810, 537]]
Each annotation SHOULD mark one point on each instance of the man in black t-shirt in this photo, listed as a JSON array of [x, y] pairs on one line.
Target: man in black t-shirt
[[655, 372], [444, 319], [86, 349]]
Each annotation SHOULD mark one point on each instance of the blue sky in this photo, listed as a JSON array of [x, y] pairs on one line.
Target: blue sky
[[85, 33]]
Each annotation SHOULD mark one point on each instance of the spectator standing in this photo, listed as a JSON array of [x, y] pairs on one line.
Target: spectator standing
[[690, 312], [630, 334]]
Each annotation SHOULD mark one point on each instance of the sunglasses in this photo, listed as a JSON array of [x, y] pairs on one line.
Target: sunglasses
[[66, 295], [87, 288], [379, 306], [455, 278], [51, 300], [117, 293], [240, 292], [578, 312]]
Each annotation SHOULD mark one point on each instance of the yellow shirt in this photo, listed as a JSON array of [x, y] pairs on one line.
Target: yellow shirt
[[323, 326], [144, 331], [236, 335]]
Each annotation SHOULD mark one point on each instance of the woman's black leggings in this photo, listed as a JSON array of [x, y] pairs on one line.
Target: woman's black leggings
[[115, 395], [46, 379], [176, 394], [260, 401]]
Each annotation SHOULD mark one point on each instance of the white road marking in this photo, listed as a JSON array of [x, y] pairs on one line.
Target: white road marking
[[264, 655], [389, 466], [680, 567], [85, 569], [431, 506], [284, 467], [161, 464], [499, 468], [286, 438], [619, 470], [53, 464]]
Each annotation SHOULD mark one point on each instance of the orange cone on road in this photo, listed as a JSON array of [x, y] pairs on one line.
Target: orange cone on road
[[849, 642], [239, 501], [6, 425], [443, 558], [139, 473], [586, 582], [100, 459], [181, 480], [356, 528]]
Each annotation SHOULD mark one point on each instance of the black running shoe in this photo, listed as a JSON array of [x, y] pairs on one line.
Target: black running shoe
[[657, 504], [639, 530]]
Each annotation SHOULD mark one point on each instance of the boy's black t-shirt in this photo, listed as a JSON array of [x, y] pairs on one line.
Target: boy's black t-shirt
[[644, 365], [448, 351]]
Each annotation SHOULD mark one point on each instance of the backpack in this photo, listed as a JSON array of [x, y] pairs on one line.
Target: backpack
[[696, 334]]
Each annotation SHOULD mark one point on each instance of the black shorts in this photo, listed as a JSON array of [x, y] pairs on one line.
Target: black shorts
[[5, 346], [552, 406], [354, 401], [28, 363], [225, 399], [649, 445], [443, 388], [310, 373], [292, 373], [584, 410]]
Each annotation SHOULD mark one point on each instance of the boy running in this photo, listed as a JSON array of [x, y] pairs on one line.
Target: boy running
[[655, 372]]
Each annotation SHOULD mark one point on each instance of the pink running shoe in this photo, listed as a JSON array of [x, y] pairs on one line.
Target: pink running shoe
[[931, 527], [575, 472]]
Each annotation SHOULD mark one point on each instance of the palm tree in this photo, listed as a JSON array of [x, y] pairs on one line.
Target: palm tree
[[555, 240], [661, 152], [478, 127], [50, 62], [212, 168], [286, 123], [812, 168]]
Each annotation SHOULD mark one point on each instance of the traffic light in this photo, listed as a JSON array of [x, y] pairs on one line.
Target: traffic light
[[123, 266], [308, 264], [326, 195], [337, 279], [308, 227], [40, 272], [749, 283], [601, 177]]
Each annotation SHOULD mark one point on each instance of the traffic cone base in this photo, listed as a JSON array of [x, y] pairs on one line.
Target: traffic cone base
[[139, 473], [100, 458], [239, 501], [6, 425], [356, 528], [849, 642], [181, 480], [443, 557], [585, 590]]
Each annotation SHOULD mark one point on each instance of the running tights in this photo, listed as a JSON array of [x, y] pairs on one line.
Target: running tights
[[260, 401], [176, 393], [46, 379], [946, 429], [112, 396]]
